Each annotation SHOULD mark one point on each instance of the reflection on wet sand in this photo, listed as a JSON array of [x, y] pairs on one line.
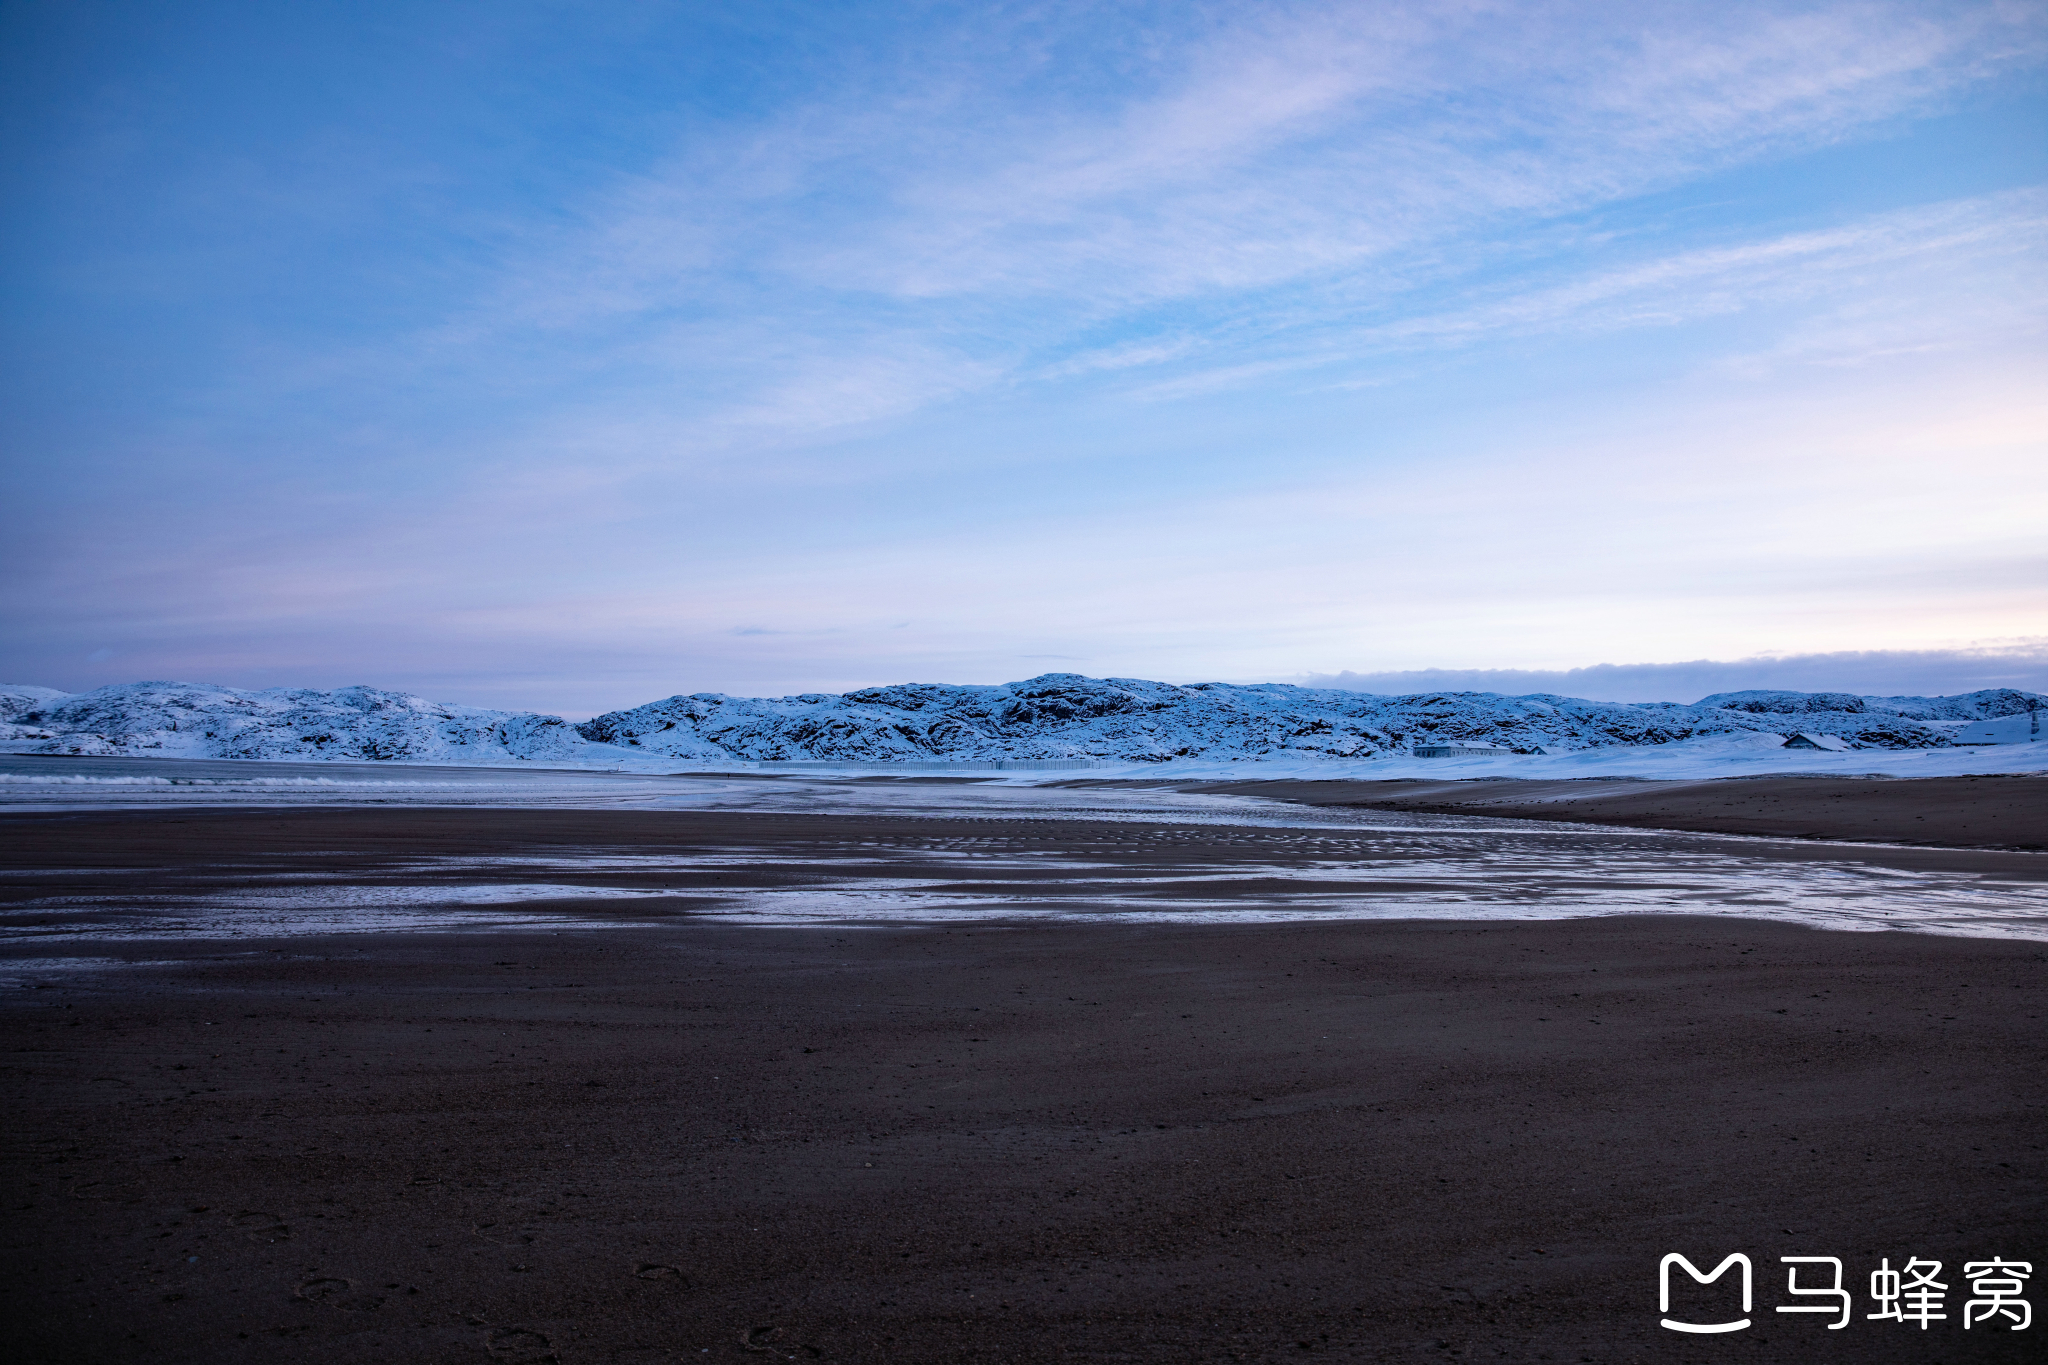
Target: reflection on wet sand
[[824, 852]]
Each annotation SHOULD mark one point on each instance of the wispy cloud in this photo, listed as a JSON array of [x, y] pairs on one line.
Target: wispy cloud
[[1172, 337], [1984, 235], [846, 261], [1970, 272]]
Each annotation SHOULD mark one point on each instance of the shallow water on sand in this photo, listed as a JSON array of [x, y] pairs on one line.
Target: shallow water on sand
[[1189, 857]]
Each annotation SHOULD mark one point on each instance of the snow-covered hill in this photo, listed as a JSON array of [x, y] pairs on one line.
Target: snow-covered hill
[[1058, 715], [188, 720], [1065, 715], [1989, 704], [16, 698]]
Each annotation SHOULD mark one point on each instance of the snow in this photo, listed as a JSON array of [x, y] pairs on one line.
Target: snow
[[1834, 744], [1987, 704], [1125, 726], [199, 720], [16, 698], [16, 701], [1064, 715], [2023, 729], [1736, 755]]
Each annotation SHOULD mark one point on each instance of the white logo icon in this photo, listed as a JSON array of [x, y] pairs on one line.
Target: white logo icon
[[1734, 1258]]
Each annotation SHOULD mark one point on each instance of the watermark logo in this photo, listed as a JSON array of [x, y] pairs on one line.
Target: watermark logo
[[1664, 1291], [2000, 1282], [1911, 1294], [1833, 1290]]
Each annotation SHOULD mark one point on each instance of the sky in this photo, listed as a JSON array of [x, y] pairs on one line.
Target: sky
[[564, 357]]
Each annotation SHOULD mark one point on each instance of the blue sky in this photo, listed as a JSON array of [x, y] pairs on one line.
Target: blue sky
[[564, 356]]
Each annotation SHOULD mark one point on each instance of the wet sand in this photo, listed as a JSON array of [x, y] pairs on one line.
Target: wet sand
[[1032, 1142], [1948, 812]]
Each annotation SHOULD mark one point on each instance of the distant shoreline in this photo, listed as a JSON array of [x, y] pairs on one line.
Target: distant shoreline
[[1988, 812]]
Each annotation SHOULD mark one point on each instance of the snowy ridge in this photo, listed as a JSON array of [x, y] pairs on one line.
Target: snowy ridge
[[1990, 704], [188, 720], [1065, 715], [16, 699], [1055, 716]]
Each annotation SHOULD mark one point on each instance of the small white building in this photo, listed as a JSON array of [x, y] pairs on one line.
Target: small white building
[[1459, 748], [1833, 744], [2024, 728]]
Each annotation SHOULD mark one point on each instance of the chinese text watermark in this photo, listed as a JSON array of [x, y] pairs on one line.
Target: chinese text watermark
[[1913, 1294]]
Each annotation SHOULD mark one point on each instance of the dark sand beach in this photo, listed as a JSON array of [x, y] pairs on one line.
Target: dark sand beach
[[677, 1139], [1998, 811]]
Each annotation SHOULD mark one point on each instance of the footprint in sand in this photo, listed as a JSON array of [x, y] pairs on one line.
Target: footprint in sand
[[261, 1227], [520, 1346], [326, 1289], [505, 1234], [339, 1293], [768, 1341], [100, 1190], [650, 1271]]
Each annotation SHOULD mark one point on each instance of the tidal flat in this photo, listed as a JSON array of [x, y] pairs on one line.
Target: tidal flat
[[440, 1084]]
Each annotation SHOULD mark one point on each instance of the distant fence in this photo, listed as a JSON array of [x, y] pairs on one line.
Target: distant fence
[[939, 765]]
